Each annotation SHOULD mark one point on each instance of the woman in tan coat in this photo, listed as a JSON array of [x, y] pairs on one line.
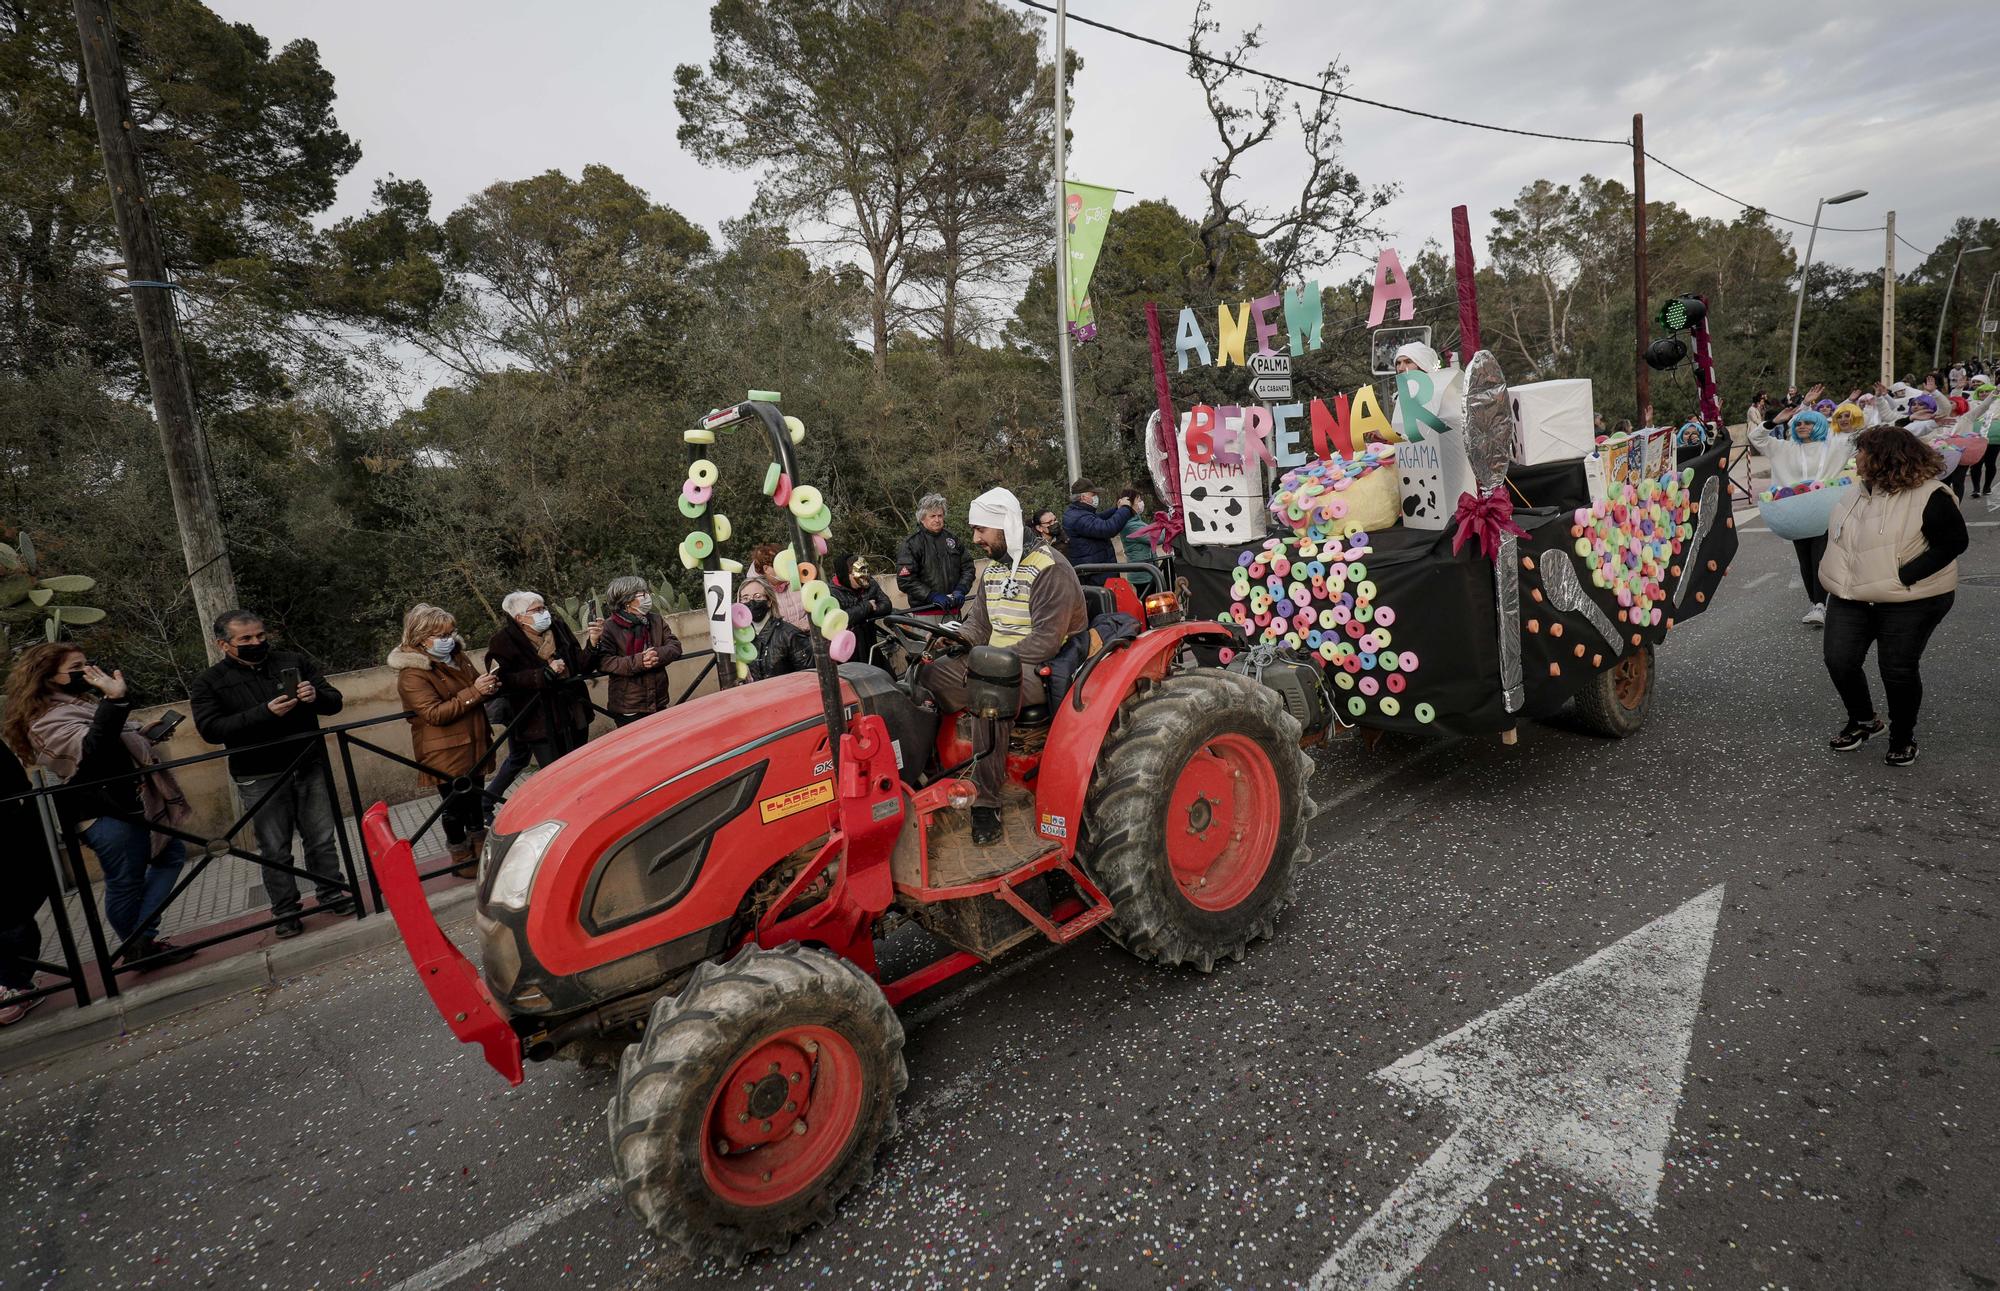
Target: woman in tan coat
[[1890, 570], [446, 698]]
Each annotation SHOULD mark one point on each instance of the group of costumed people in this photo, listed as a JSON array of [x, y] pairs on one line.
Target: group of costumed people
[[1868, 492]]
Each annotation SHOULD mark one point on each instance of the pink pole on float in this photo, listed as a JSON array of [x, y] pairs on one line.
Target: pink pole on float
[[1468, 291], [1168, 424]]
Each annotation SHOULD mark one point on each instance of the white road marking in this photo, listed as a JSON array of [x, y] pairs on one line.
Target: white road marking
[[1759, 581], [1519, 1087], [487, 1248]]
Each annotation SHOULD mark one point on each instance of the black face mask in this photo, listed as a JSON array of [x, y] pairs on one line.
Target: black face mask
[[257, 653], [759, 610], [74, 685]]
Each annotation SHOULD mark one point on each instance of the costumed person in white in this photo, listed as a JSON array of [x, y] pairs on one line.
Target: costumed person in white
[[1802, 449], [1026, 600], [1447, 399]]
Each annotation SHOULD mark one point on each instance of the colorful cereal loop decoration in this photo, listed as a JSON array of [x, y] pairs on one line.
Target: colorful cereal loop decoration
[[1424, 713], [702, 472], [1390, 705]]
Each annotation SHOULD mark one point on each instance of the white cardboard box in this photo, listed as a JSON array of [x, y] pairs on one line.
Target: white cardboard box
[[1551, 421]]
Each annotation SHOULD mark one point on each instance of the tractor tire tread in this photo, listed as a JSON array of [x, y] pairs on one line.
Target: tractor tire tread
[[657, 1117], [1124, 805]]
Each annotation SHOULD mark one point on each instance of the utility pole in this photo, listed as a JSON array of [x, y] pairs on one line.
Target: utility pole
[[1642, 376], [202, 546], [1062, 253], [1889, 305]]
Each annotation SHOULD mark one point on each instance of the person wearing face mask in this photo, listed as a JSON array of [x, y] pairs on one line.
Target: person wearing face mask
[[1048, 525], [638, 645], [543, 670], [1090, 530], [855, 588], [781, 648], [244, 703], [445, 696], [74, 718]]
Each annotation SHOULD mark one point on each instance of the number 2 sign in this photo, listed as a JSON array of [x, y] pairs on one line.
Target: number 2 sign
[[718, 595]]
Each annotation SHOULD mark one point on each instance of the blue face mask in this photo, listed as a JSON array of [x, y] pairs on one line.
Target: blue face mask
[[542, 620], [443, 647]]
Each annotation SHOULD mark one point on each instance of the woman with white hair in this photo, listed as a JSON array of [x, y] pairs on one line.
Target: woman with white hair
[[542, 671], [638, 645]]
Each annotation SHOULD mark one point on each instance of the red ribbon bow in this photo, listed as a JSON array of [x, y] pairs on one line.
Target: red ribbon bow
[[1488, 517], [1161, 531]]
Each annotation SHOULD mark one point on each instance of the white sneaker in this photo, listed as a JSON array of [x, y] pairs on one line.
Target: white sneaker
[[1816, 616]]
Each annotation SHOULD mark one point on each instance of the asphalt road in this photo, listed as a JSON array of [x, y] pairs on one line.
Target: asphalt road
[[1080, 1120]]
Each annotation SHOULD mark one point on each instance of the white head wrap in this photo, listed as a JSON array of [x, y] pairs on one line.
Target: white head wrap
[[999, 509], [1420, 354]]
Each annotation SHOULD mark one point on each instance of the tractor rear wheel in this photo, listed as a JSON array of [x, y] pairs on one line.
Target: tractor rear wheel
[[756, 1100], [1614, 702], [1196, 817]]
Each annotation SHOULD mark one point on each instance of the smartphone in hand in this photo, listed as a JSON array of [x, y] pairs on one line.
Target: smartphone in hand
[[288, 681]]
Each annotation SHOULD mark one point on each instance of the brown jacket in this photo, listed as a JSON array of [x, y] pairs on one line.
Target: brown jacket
[[633, 689], [564, 711], [448, 728]]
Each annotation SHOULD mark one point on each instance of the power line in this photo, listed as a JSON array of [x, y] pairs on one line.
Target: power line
[[1187, 51]]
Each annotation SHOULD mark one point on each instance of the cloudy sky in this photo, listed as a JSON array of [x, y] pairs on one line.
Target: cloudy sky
[[1775, 103]]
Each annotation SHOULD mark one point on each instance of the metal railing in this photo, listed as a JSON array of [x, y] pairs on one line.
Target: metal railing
[[355, 882]]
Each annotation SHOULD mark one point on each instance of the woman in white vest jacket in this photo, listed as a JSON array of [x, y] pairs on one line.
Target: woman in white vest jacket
[[1890, 570]]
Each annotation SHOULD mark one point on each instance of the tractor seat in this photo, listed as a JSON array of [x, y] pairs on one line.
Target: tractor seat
[[1032, 716], [1096, 601]]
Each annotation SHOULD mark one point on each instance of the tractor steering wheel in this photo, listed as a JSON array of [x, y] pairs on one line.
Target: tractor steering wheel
[[924, 637]]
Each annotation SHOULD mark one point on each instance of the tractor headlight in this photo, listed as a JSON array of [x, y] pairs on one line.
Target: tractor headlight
[[518, 866]]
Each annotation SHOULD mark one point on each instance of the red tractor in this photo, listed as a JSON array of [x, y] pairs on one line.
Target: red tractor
[[698, 896]]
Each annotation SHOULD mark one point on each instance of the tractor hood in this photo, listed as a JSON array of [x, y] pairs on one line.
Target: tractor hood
[[649, 756]]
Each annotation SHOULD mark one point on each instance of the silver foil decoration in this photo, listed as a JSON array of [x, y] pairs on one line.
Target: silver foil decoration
[[1566, 594], [1507, 602], [1489, 420], [1489, 442], [1711, 494]]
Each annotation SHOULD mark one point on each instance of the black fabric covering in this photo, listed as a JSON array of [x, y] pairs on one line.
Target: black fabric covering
[[1445, 605]]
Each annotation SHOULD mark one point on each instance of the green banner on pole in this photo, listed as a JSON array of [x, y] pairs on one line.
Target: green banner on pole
[[1086, 214]]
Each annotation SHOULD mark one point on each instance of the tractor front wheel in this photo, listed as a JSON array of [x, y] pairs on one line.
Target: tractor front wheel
[[1196, 817], [756, 1100]]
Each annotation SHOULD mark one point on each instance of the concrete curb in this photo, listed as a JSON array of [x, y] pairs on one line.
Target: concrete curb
[[29, 1044]]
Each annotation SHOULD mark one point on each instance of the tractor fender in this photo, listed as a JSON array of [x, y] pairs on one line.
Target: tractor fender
[[1085, 716]]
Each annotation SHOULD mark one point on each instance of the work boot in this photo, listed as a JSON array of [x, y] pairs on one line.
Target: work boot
[[338, 903], [289, 926], [986, 829]]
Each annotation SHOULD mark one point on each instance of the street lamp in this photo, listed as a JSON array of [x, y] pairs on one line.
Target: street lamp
[[1985, 350], [1937, 347], [1799, 309]]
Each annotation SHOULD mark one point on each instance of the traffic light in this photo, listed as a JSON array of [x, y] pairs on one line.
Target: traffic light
[[1682, 313]]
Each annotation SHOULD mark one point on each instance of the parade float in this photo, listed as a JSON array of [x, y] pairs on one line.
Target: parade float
[[1476, 556]]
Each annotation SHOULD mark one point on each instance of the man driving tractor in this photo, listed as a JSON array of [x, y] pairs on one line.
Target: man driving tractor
[[1029, 601]]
